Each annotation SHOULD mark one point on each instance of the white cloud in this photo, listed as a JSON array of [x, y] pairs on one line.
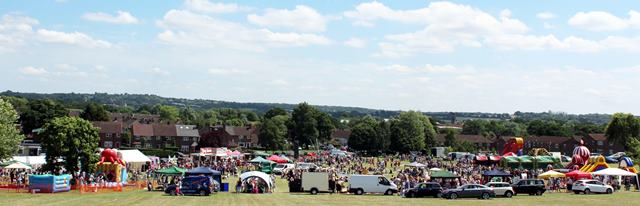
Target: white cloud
[[219, 71], [604, 21], [206, 6], [279, 82], [366, 13], [355, 42], [14, 30], [448, 25], [302, 18], [545, 15], [191, 29], [158, 71], [121, 17], [34, 71], [74, 38], [432, 69]]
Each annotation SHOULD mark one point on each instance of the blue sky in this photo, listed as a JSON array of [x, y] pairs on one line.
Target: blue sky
[[488, 56]]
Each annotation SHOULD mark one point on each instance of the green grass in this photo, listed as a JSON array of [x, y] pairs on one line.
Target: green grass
[[282, 197]]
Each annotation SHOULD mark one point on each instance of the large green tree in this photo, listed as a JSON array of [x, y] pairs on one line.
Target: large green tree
[[39, 113], [363, 134], [95, 112], [407, 132], [274, 112], [168, 113], [325, 126], [303, 127], [10, 137], [273, 132], [429, 131], [72, 139], [622, 128], [450, 138]]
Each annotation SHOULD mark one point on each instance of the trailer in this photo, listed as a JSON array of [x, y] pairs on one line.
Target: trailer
[[315, 182]]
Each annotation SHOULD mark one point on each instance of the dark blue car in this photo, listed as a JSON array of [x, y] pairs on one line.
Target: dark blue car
[[194, 185]]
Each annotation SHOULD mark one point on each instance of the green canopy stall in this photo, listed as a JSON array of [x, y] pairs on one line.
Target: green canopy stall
[[444, 175], [171, 171]]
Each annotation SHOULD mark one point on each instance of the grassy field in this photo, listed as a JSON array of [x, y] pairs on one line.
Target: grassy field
[[282, 197]]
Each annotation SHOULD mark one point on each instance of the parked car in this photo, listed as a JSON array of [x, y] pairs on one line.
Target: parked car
[[315, 182], [282, 168], [429, 189], [529, 186], [591, 186], [565, 158], [306, 166], [193, 185], [469, 191], [360, 184], [501, 189]]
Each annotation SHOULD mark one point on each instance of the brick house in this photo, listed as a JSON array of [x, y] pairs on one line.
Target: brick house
[[187, 137], [110, 134], [600, 144], [481, 142], [341, 136], [230, 136], [142, 135]]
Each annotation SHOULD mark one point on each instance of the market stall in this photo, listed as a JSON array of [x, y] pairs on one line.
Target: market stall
[[495, 175], [216, 175], [550, 174]]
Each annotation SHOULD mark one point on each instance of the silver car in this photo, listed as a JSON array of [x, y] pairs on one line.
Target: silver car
[[591, 186], [501, 189]]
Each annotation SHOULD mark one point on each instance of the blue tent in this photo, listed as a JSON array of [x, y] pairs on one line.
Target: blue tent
[[215, 174], [496, 173]]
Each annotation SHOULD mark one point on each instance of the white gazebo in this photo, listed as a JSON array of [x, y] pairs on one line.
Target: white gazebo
[[134, 158], [615, 172]]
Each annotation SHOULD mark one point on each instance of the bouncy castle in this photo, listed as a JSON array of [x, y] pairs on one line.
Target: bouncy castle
[[111, 167], [49, 183]]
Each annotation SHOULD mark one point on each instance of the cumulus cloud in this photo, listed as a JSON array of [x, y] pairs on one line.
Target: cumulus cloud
[[14, 30], [187, 28], [73, 38], [206, 6], [430, 68], [355, 42], [604, 21], [220, 71], [302, 18], [158, 71], [366, 13], [34, 71], [448, 25], [121, 17], [545, 15]]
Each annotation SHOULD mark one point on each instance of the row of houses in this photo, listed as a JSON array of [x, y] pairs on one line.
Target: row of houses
[[187, 138], [595, 142]]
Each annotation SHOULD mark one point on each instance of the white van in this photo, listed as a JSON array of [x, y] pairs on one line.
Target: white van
[[315, 182], [282, 168], [360, 184]]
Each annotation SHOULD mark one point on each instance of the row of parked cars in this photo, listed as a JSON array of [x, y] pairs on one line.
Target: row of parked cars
[[502, 189], [492, 189]]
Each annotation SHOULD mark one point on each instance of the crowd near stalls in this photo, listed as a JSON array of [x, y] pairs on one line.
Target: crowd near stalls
[[221, 170]]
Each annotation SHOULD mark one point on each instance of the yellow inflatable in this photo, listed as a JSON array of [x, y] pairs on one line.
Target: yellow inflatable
[[595, 163]]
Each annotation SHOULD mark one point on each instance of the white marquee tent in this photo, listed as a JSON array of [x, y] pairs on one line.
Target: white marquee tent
[[616, 172], [134, 158]]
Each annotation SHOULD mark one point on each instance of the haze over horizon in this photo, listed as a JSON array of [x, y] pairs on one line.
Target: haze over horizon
[[572, 56]]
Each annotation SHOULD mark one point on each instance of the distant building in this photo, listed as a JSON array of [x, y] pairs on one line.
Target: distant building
[[230, 136], [162, 135], [481, 142], [341, 136], [110, 134]]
